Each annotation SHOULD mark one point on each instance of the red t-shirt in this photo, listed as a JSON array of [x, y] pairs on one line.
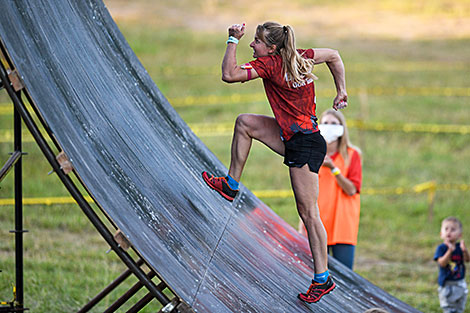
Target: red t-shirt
[[293, 104]]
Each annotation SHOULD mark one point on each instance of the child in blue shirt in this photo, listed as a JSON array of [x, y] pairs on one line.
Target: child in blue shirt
[[451, 256]]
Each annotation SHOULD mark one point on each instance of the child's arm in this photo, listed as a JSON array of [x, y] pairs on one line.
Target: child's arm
[[466, 255], [445, 259]]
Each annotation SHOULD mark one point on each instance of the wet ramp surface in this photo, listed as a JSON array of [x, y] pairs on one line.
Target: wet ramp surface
[[143, 166]]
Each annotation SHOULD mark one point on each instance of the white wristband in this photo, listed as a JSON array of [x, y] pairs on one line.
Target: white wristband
[[232, 40]]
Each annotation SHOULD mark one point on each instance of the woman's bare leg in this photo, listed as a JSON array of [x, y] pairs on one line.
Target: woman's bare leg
[[249, 127], [305, 187]]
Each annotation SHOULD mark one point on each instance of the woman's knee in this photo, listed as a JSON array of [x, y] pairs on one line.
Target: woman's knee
[[244, 122]]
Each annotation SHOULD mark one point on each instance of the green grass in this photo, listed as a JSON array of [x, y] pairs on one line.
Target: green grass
[[66, 262]]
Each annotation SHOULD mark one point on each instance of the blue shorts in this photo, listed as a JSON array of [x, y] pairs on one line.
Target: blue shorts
[[304, 149]]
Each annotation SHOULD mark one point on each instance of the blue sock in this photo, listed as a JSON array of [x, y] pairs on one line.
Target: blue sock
[[321, 278], [232, 182]]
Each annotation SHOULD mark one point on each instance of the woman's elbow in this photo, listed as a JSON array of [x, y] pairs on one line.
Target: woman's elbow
[[227, 78], [331, 56], [334, 56]]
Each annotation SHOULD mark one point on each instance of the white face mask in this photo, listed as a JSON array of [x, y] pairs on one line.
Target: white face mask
[[331, 132]]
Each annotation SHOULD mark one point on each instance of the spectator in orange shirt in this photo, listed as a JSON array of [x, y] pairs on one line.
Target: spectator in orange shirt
[[340, 179]]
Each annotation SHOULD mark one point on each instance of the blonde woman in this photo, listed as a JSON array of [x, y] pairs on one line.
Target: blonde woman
[[292, 132], [340, 179]]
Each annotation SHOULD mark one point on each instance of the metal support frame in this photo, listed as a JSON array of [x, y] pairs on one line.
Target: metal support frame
[[124, 298], [21, 113], [15, 161], [18, 214], [130, 293]]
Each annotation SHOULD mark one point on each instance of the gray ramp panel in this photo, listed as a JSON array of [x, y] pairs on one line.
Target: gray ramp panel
[[142, 164], [267, 271]]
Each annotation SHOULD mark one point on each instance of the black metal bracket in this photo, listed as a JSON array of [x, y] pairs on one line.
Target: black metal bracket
[[9, 164]]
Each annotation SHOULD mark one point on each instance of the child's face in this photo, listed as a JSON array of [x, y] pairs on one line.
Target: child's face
[[450, 231]]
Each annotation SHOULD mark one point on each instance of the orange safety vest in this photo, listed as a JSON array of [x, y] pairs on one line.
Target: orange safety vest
[[338, 211]]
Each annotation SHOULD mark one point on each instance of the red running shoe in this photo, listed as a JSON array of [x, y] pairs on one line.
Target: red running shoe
[[220, 185], [317, 291]]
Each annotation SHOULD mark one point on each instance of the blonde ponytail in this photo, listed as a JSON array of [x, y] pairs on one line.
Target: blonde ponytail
[[297, 68]]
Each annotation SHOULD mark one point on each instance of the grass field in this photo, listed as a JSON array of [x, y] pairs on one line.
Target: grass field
[[403, 69]]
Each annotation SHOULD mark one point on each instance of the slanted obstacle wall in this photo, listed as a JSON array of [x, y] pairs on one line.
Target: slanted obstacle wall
[[142, 165]]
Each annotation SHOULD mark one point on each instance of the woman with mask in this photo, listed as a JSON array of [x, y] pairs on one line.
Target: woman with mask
[[340, 179]]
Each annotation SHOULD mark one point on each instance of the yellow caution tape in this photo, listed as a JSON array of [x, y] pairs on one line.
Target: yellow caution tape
[[8, 136], [427, 187], [213, 99], [373, 91], [43, 201], [351, 67], [6, 108], [274, 193], [12, 302], [226, 129], [410, 127], [221, 129]]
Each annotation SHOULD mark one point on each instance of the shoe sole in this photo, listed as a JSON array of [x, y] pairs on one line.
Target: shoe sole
[[318, 299], [226, 197]]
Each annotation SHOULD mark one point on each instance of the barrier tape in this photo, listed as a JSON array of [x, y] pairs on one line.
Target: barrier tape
[[222, 129], [426, 187], [6, 108], [373, 91], [358, 67], [43, 201], [429, 187], [411, 127], [7, 136], [226, 129]]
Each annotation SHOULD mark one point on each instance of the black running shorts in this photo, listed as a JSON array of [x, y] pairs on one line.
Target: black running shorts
[[304, 149]]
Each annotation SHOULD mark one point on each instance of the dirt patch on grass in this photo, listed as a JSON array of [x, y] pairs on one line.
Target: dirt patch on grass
[[438, 19]]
